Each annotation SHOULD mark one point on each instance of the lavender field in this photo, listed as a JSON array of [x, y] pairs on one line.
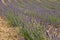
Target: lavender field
[[33, 19]]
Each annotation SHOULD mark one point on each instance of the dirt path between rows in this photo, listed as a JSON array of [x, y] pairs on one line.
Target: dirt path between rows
[[6, 32]]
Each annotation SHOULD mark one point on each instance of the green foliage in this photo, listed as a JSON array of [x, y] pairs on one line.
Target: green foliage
[[12, 19], [30, 35], [52, 19], [26, 35], [35, 33], [26, 32]]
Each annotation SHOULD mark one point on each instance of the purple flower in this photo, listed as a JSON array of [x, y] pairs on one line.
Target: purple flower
[[55, 37], [37, 19], [47, 35], [58, 29], [51, 30]]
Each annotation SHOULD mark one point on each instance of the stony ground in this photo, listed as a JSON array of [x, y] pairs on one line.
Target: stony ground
[[6, 32], [52, 33]]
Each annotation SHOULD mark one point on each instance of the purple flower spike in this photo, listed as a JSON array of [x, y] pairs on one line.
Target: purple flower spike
[[55, 37], [47, 35], [58, 30], [51, 30], [37, 20], [29, 19]]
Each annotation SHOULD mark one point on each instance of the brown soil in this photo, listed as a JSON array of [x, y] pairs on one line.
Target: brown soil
[[7, 32]]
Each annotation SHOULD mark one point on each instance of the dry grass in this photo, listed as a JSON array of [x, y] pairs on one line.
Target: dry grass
[[6, 32]]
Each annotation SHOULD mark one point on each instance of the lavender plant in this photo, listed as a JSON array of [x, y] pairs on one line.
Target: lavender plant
[[28, 30]]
